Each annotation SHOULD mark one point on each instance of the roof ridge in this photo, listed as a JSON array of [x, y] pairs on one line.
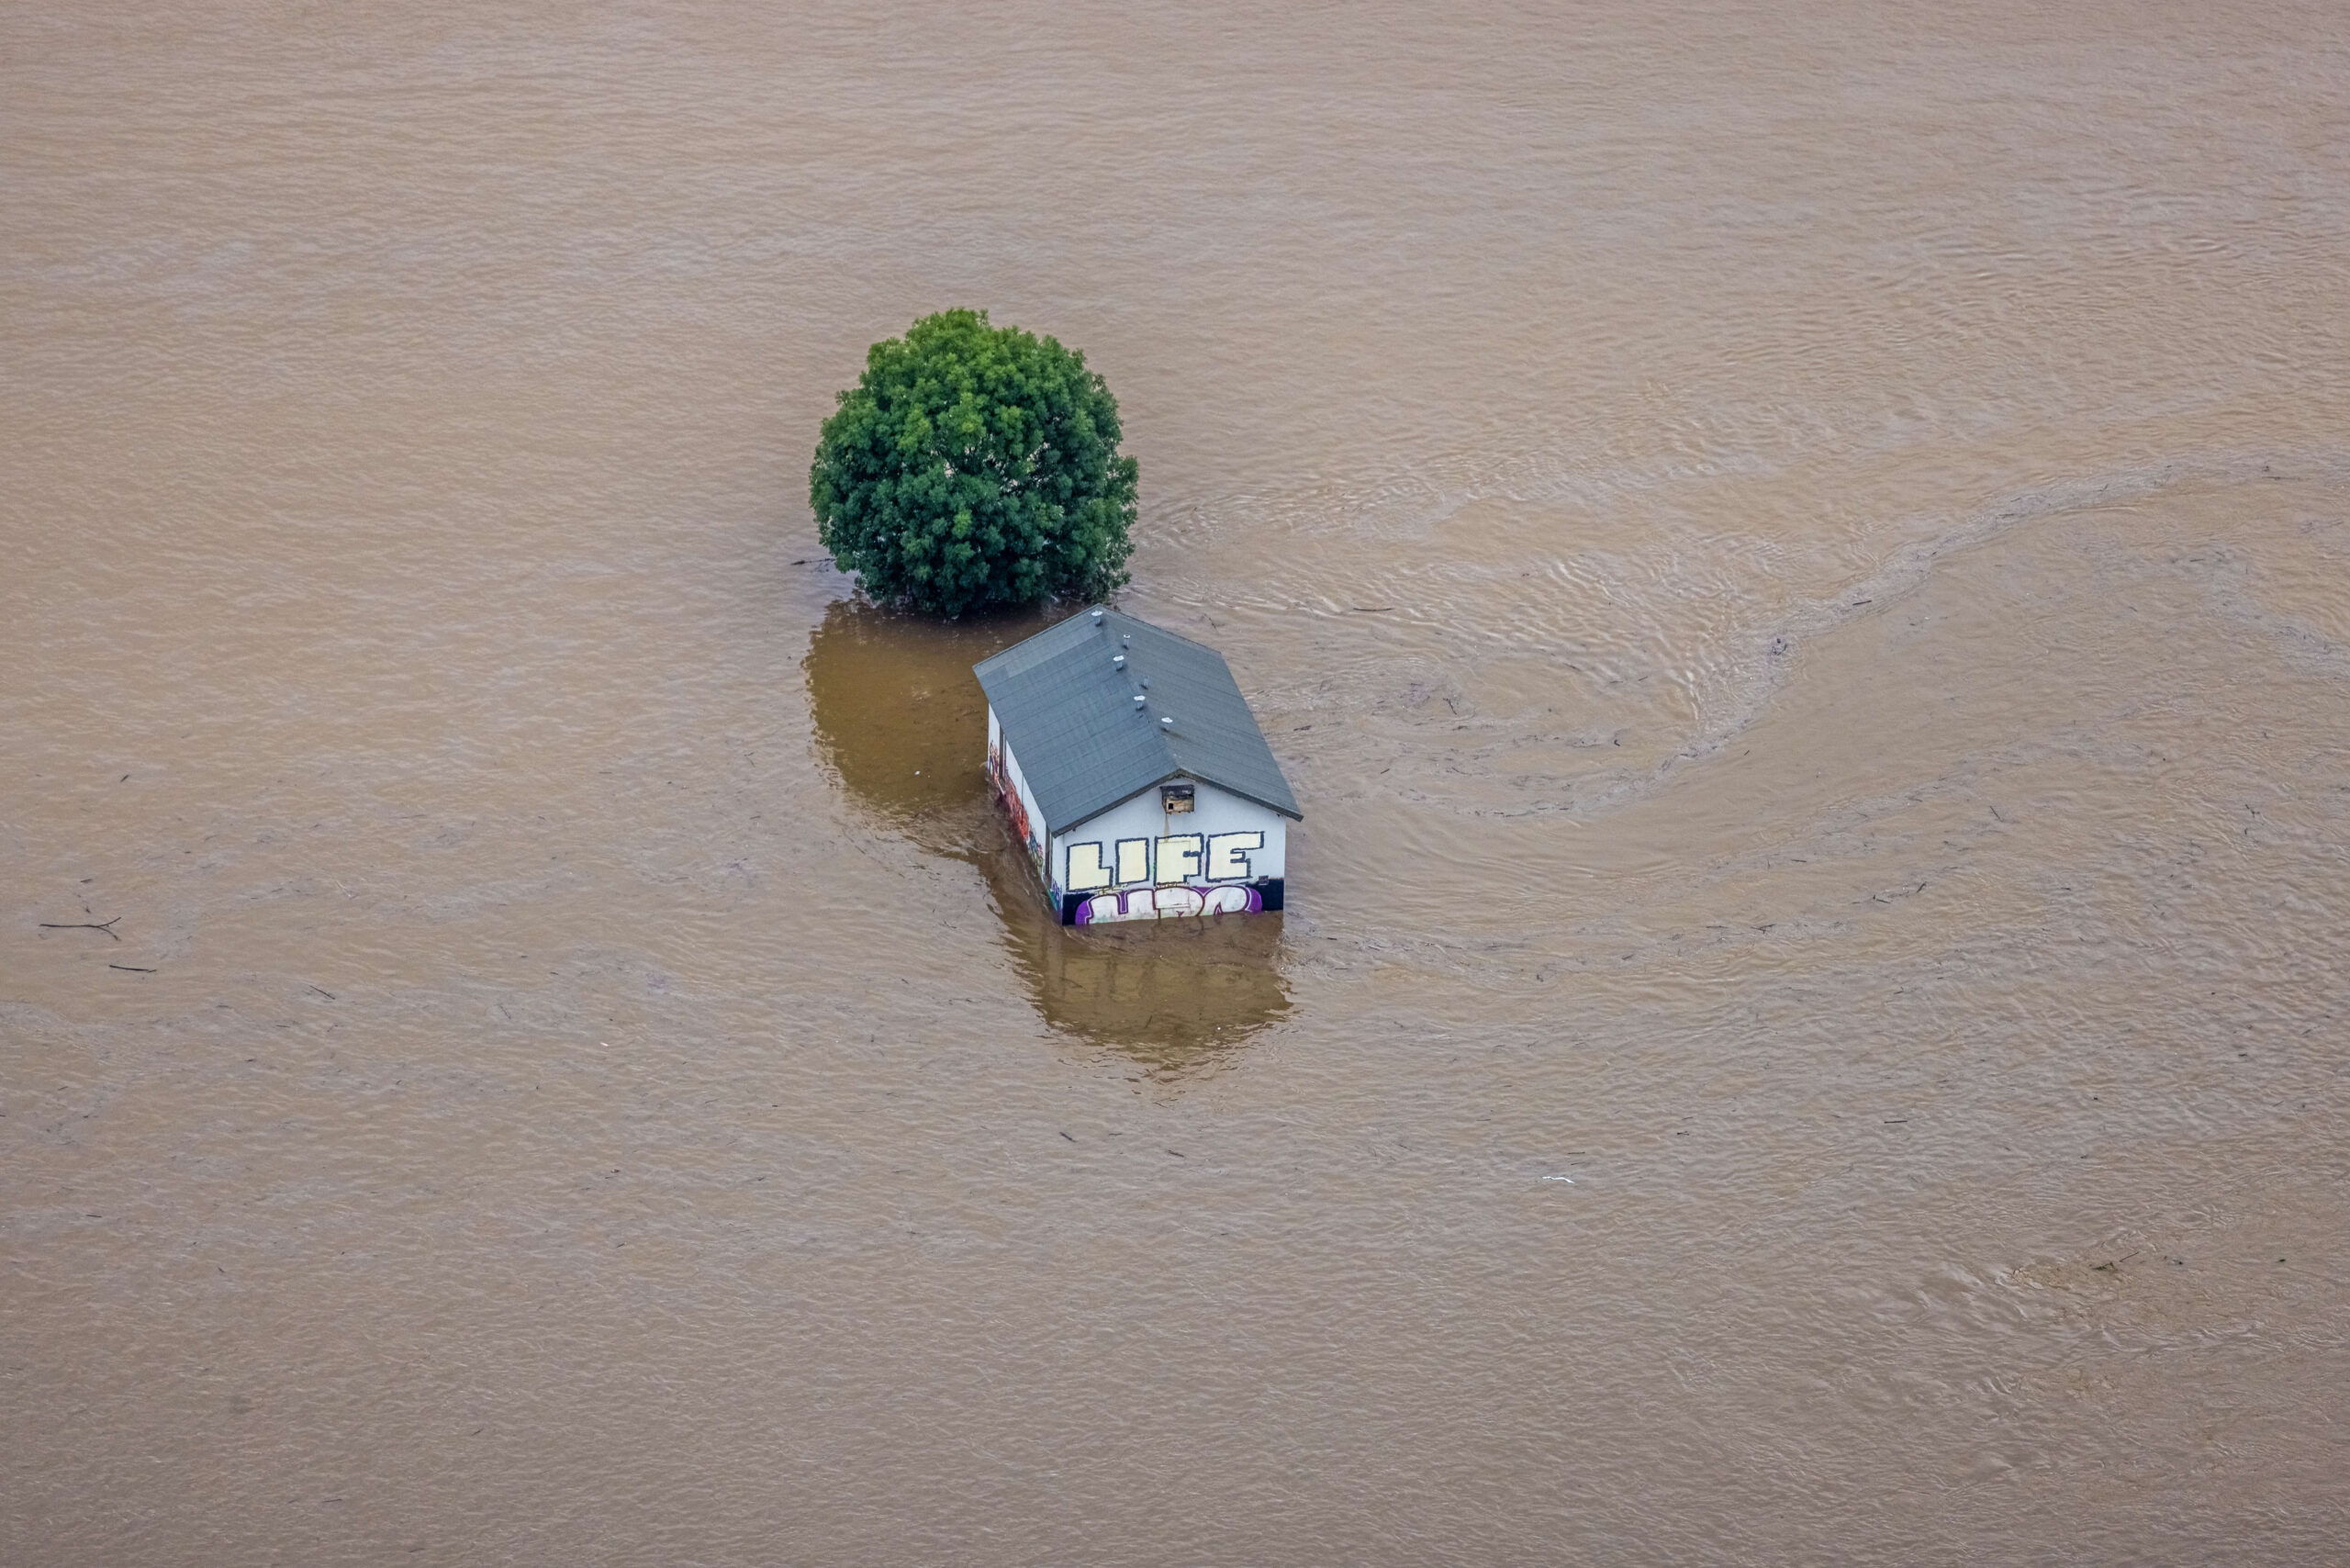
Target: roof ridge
[[1152, 626]]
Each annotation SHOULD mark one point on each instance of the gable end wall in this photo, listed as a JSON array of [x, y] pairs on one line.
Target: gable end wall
[[1213, 812]]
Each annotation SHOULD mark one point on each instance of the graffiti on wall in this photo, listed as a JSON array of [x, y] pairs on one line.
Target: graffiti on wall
[[1168, 904], [1164, 879], [1179, 857], [1009, 792]]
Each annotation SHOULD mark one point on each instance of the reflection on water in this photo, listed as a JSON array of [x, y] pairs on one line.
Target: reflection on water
[[1175, 995], [900, 720], [902, 723]]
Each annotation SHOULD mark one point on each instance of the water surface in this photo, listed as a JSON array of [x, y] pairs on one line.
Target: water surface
[[1794, 554]]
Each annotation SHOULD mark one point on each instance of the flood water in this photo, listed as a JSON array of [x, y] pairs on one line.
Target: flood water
[[1797, 556]]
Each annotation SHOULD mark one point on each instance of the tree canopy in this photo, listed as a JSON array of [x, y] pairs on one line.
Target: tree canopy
[[973, 467]]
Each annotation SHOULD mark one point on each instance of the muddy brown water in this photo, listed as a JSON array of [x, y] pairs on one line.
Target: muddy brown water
[[1795, 556]]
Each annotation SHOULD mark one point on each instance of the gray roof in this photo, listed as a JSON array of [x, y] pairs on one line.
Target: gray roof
[[1069, 714]]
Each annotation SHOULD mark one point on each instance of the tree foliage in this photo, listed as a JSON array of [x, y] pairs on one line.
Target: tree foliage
[[974, 466]]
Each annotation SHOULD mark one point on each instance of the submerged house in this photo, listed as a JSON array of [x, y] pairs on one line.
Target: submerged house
[[1135, 773]]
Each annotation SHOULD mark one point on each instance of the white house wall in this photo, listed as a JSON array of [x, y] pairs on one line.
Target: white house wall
[[1215, 812], [1027, 820]]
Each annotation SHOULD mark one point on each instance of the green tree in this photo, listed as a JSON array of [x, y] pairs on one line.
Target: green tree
[[974, 466]]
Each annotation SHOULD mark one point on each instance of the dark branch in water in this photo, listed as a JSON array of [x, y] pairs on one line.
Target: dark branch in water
[[106, 926], [130, 969]]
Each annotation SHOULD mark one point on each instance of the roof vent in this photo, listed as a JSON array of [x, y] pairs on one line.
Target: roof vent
[[1128, 639], [1097, 618], [1139, 701], [1119, 660], [1165, 724]]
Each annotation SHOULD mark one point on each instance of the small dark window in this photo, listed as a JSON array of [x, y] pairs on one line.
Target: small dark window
[[1175, 797]]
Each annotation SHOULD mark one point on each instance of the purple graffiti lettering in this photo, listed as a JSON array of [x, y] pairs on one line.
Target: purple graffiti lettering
[[1172, 903]]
